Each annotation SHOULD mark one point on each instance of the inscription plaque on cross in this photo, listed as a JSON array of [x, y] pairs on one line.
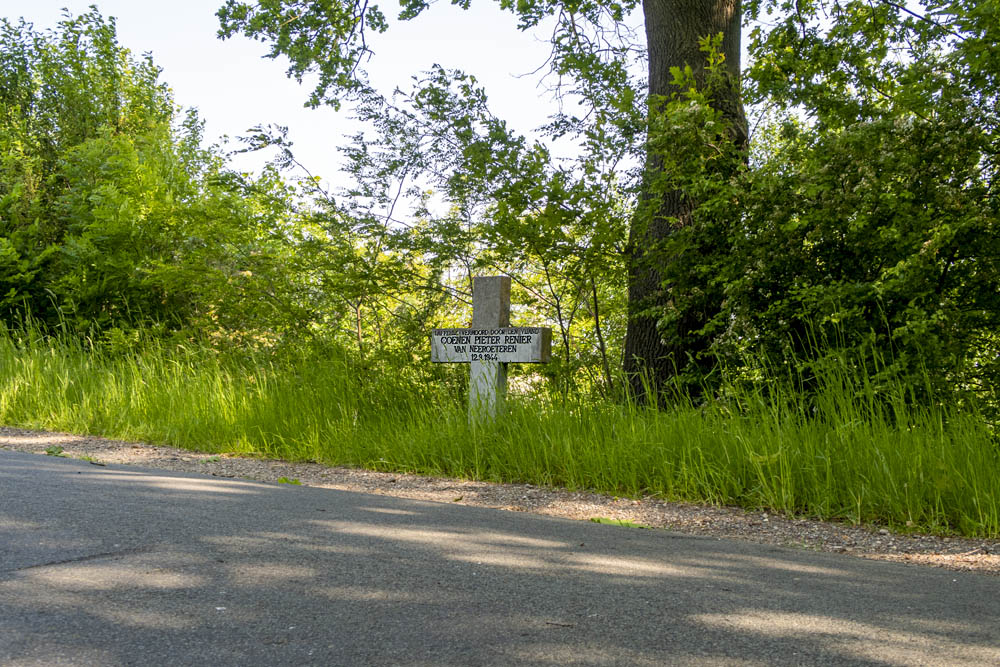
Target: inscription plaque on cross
[[489, 345]]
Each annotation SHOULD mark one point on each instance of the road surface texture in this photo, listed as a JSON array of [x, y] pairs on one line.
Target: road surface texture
[[117, 565]]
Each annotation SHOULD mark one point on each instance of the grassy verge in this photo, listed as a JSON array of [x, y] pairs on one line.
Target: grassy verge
[[847, 454]]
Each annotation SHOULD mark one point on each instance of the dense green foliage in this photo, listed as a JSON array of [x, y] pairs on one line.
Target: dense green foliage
[[872, 210], [95, 182], [862, 224], [117, 222]]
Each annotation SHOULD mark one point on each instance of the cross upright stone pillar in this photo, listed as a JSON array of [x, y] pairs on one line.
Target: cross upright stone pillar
[[489, 345], [488, 379]]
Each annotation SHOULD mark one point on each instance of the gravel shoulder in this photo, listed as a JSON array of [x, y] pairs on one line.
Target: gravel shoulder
[[720, 522]]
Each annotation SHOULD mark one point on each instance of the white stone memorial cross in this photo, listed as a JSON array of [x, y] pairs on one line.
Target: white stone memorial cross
[[489, 345]]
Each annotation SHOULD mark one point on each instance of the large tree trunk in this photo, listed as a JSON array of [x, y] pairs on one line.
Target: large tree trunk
[[673, 28]]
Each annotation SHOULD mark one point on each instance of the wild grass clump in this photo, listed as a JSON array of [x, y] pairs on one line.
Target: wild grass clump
[[299, 404], [847, 450]]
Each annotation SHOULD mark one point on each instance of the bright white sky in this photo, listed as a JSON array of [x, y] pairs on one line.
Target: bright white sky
[[234, 88]]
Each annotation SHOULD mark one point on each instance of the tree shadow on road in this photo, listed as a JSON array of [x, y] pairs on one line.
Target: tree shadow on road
[[123, 566]]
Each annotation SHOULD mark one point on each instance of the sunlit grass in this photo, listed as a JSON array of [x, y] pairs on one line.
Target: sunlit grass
[[850, 452]]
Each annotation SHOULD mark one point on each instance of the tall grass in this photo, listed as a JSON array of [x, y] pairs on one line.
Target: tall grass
[[848, 451]]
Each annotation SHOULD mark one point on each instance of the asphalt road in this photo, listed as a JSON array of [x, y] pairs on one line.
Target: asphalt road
[[127, 566]]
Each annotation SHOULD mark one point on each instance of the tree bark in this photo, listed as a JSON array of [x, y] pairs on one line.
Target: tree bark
[[673, 28]]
